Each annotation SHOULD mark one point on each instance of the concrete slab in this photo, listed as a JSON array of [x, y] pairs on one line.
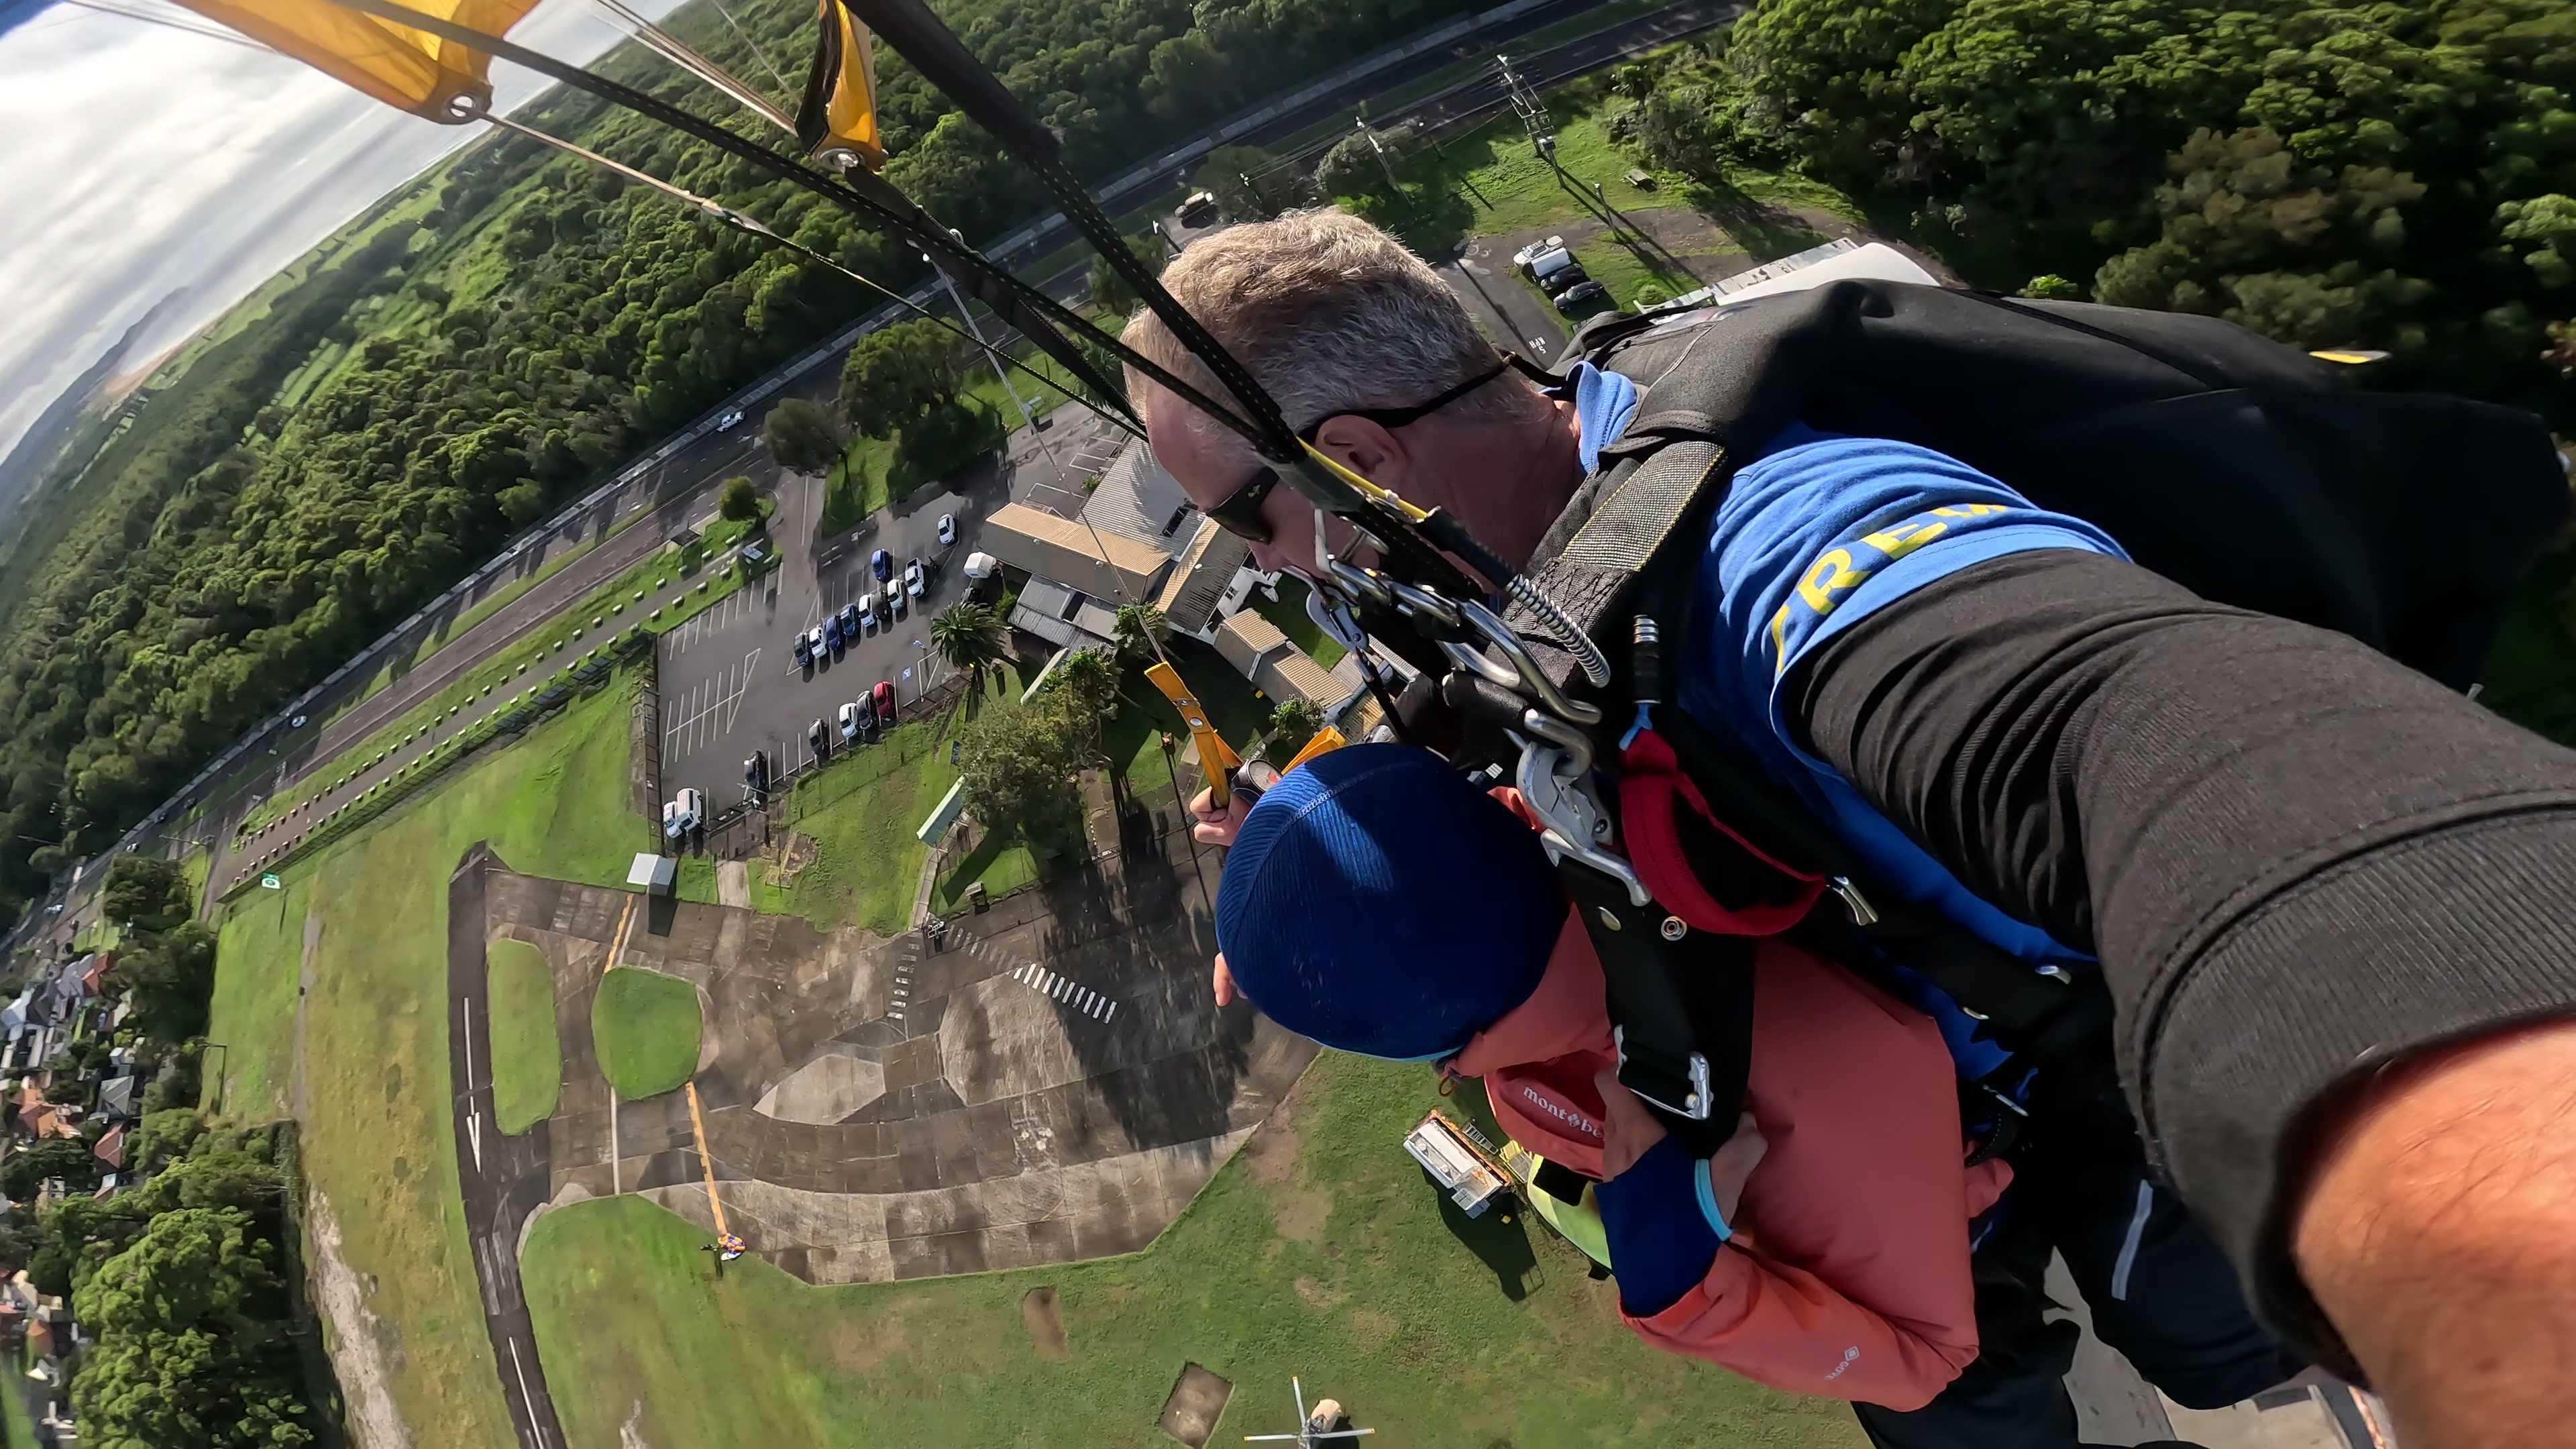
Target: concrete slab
[[1054, 1083]]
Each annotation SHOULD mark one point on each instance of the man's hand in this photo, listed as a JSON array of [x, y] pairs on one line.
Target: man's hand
[[1628, 1129], [1223, 981], [2434, 1233], [1211, 826]]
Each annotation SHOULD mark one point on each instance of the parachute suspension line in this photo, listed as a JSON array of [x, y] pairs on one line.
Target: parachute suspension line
[[757, 228], [653, 37], [865, 194], [757, 53]]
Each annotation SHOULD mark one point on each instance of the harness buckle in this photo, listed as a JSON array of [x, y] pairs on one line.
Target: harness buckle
[[1694, 1075], [1863, 914]]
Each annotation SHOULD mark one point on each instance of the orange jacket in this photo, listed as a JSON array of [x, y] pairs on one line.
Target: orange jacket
[[1847, 1275]]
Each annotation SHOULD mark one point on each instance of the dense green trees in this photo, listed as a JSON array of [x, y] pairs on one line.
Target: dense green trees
[[802, 435], [1139, 630], [1018, 760], [2391, 176], [170, 978], [738, 500], [1109, 286], [898, 375], [146, 892], [559, 319]]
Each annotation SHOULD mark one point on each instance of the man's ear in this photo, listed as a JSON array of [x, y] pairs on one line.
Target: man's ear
[[1366, 449]]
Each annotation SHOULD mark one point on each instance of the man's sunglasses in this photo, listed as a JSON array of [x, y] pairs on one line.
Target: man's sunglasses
[[1239, 512]]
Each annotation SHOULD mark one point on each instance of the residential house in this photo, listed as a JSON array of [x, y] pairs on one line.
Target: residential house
[[117, 1097], [1279, 669], [110, 1147]]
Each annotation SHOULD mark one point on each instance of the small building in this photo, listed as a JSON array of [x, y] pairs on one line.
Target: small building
[[1279, 669], [116, 1098], [110, 1147], [1072, 553], [1472, 1179], [1065, 617], [654, 875]]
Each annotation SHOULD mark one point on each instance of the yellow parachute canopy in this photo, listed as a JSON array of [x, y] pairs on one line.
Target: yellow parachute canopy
[[840, 114], [399, 66]]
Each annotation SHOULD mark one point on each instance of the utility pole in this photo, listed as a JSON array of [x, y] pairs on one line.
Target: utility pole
[[1525, 104], [1391, 184]]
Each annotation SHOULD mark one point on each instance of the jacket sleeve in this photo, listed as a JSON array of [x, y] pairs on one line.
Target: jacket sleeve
[[2298, 861], [1690, 1283], [1785, 1328]]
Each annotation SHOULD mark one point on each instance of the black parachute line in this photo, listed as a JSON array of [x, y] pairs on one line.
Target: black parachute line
[[1041, 318]]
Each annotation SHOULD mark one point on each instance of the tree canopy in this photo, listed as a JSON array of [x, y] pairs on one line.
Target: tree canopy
[[898, 375], [553, 321]]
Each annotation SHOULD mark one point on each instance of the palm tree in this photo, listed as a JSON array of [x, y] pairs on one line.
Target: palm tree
[[969, 637], [1140, 627]]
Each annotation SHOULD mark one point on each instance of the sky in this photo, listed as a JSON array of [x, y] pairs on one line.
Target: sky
[[136, 160]]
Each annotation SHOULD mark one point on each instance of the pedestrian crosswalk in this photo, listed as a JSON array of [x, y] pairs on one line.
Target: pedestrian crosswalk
[[1081, 998]]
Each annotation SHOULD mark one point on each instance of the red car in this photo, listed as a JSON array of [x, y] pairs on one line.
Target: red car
[[883, 694]]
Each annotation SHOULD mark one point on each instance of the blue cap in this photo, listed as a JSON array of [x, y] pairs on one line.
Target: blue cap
[[1379, 903]]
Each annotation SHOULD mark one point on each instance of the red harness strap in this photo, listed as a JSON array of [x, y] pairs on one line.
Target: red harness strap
[[1651, 789]]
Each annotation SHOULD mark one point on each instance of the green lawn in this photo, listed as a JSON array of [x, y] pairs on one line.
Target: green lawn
[[527, 1062], [645, 1026], [380, 1146], [259, 955], [20, 1425], [861, 814], [1328, 1257], [1623, 267], [194, 864], [1288, 612], [671, 583]]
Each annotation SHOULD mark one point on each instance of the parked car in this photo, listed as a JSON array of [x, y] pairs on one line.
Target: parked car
[[948, 530], [730, 421], [895, 606], [819, 736], [1557, 271], [1639, 178], [1536, 250], [1579, 295], [881, 563], [867, 607], [1197, 207], [883, 695], [851, 622], [814, 644], [755, 558], [915, 582], [849, 723], [755, 771], [683, 813], [804, 650]]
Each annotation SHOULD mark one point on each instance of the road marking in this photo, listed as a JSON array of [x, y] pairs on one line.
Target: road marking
[[526, 1398], [474, 1133], [468, 1009], [706, 1164]]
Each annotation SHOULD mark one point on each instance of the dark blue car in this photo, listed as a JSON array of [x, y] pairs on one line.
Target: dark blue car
[[832, 632], [883, 563], [850, 622]]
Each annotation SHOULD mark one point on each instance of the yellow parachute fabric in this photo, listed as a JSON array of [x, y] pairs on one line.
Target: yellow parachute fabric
[[401, 67], [850, 100]]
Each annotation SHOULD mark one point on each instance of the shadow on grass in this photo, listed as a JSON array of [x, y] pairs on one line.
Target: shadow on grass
[[1653, 255], [1766, 230]]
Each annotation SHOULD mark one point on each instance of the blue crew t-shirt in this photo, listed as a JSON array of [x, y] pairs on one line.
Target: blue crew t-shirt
[[1815, 533]]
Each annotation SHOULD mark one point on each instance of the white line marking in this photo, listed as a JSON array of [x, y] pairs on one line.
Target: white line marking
[[467, 1011], [526, 1398], [474, 1134]]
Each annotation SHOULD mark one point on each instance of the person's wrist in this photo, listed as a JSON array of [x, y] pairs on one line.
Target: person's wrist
[[2437, 1232], [1661, 1238]]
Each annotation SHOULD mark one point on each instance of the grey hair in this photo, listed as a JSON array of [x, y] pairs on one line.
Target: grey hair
[[1330, 314]]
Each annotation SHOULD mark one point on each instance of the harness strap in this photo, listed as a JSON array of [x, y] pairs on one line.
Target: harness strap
[[1652, 791], [1683, 1009]]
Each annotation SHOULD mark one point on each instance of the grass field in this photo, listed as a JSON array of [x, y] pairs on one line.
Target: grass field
[[1322, 1251], [375, 1045], [525, 664], [194, 864], [861, 814], [527, 1062], [15, 1421], [645, 1026], [259, 956], [1288, 612]]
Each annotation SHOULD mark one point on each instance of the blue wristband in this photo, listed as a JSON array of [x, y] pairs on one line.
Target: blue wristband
[[1662, 1232]]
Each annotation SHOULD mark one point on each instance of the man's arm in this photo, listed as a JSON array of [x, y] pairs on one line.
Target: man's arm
[[2336, 906]]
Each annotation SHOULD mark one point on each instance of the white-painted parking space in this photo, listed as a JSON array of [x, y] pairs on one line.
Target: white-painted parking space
[[1056, 988], [700, 629], [705, 712]]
